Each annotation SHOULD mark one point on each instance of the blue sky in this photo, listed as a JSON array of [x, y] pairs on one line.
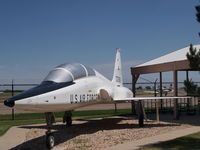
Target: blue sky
[[36, 35]]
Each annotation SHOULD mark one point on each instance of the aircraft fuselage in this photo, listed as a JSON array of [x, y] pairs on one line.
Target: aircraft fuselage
[[84, 91]]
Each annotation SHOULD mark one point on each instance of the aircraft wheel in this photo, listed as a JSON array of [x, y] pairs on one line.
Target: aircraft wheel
[[68, 121], [50, 140]]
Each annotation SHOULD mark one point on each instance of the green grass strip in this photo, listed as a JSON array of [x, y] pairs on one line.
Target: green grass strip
[[183, 143]]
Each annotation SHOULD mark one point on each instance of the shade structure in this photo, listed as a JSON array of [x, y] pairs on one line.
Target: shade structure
[[174, 61]]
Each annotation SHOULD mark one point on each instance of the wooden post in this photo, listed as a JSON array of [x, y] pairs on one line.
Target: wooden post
[[188, 100], [134, 80], [133, 90], [155, 94], [175, 94], [12, 88], [187, 79], [161, 90], [140, 114], [155, 88], [13, 111]]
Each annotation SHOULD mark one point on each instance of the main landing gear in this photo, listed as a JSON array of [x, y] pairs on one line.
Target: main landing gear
[[50, 140], [67, 118]]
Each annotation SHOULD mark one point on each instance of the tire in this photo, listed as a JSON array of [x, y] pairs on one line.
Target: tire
[[50, 141]]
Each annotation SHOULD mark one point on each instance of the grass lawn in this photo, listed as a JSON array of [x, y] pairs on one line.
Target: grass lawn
[[36, 118], [189, 142], [183, 143]]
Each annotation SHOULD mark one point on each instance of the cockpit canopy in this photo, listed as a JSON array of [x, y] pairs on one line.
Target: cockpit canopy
[[69, 72]]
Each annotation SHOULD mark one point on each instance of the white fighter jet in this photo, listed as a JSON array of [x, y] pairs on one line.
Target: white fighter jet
[[70, 86]]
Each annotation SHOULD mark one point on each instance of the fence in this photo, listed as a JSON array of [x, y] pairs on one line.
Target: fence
[[8, 90], [168, 104], [152, 89]]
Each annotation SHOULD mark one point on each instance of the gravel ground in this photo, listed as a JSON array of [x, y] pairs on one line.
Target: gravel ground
[[97, 134]]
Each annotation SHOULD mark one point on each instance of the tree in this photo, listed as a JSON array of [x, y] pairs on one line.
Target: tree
[[148, 88], [194, 58], [194, 61], [191, 88], [139, 88], [198, 13]]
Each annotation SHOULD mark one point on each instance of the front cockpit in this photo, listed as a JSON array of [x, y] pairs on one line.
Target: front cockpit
[[61, 76], [69, 72]]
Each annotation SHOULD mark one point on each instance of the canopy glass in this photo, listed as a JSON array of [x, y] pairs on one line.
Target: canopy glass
[[69, 72]]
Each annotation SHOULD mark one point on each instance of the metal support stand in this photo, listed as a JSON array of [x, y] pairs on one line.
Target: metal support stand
[[133, 110], [115, 107], [143, 110], [140, 114], [157, 111]]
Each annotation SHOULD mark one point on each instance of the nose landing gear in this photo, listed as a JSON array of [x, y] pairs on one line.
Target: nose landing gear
[[50, 140], [50, 119]]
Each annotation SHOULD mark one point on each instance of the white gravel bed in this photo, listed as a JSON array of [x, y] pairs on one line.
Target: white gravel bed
[[97, 134]]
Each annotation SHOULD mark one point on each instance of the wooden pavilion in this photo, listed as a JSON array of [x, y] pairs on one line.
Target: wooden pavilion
[[175, 61]]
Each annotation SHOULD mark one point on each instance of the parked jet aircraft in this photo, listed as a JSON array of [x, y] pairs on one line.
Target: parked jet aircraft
[[165, 91], [70, 86]]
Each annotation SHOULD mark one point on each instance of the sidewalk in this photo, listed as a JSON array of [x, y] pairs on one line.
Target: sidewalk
[[13, 137], [155, 139]]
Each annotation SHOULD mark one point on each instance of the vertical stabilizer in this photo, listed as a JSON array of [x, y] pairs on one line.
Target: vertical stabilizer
[[117, 76]]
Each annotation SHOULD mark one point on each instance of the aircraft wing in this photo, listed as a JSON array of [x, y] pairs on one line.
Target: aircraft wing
[[148, 98]]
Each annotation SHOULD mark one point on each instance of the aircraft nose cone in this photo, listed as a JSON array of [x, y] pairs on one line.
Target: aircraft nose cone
[[9, 103]]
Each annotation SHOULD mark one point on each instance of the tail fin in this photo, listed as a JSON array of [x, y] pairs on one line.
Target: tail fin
[[117, 76]]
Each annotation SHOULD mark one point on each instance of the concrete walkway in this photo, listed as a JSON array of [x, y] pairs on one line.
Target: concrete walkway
[[155, 139], [12, 138]]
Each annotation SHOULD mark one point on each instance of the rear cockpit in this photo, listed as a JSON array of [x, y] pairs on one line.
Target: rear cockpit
[[69, 72]]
